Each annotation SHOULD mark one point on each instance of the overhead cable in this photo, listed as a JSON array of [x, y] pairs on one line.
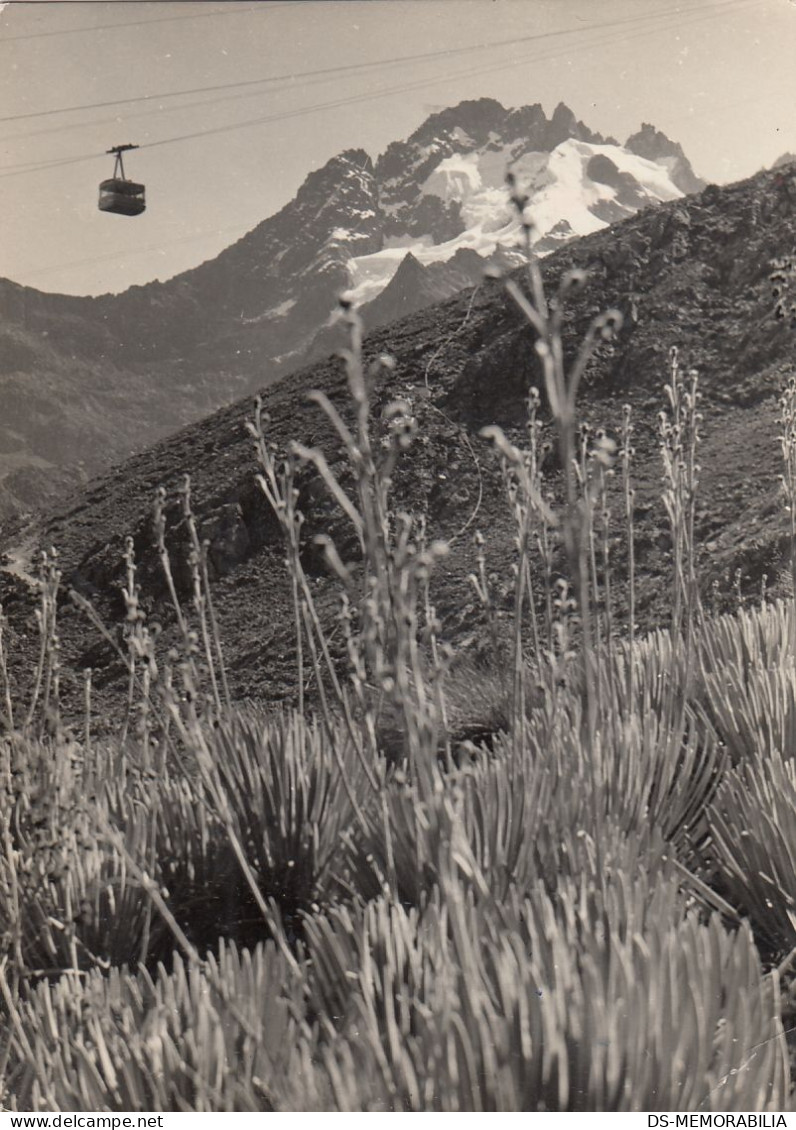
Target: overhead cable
[[295, 76], [141, 23], [33, 166]]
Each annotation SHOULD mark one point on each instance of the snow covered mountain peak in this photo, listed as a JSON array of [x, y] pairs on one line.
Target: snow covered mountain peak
[[574, 189], [443, 189], [439, 196]]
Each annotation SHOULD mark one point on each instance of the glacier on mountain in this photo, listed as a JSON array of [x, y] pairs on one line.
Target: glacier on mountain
[[578, 188]]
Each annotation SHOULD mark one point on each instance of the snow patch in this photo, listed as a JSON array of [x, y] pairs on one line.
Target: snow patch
[[409, 241], [275, 312], [370, 274], [570, 194], [653, 176], [455, 178], [283, 308], [460, 135], [478, 182]]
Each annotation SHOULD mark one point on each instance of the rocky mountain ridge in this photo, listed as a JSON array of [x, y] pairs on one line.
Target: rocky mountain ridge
[[85, 381]]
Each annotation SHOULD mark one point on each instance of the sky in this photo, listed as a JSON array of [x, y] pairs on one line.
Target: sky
[[234, 103]]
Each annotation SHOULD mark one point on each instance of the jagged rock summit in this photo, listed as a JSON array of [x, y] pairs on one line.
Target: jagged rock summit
[[86, 381], [785, 159], [650, 143]]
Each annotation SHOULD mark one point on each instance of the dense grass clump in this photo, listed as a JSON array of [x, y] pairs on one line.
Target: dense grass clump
[[565, 882]]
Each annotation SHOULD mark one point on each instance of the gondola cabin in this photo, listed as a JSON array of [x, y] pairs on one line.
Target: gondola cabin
[[119, 195], [124, 197]]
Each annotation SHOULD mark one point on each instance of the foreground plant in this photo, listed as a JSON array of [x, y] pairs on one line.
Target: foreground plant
[[394, 663], [348, 910]]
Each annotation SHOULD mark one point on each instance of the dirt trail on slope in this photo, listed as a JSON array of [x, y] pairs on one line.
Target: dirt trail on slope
[[18, 560]]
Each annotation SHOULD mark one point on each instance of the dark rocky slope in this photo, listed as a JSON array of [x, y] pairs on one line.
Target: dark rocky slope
[[693, 274]]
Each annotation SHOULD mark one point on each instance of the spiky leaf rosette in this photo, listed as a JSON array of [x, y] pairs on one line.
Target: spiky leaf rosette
[[68, 898], [581, 1001], [753, 846], [748, 680], [287, 790], [215, 1037]]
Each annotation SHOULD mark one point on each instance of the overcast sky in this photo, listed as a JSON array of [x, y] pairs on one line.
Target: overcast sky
[[716, 75]]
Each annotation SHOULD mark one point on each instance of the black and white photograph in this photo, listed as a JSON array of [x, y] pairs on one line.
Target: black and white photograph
[[398, 559]]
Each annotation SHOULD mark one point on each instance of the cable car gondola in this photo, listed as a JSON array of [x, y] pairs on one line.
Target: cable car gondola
[[118, 194]]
